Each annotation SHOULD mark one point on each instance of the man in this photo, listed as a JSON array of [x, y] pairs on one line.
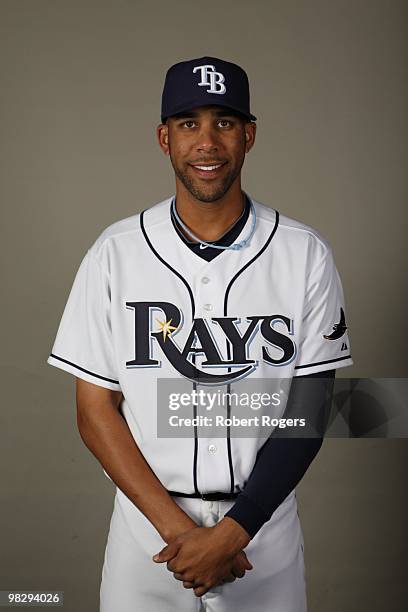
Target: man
[[209, 287]]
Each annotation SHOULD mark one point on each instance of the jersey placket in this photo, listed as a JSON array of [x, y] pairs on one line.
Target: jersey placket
[[213, 464], [210, 284]]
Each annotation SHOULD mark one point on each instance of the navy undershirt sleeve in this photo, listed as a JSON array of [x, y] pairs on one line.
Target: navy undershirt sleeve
[[282, 461]]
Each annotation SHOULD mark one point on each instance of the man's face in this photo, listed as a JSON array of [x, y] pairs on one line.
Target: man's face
[[207, 148]]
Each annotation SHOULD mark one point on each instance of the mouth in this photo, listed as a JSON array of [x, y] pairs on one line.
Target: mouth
[[208, 170]]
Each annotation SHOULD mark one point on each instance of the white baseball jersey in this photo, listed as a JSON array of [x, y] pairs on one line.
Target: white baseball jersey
[[143, 306]]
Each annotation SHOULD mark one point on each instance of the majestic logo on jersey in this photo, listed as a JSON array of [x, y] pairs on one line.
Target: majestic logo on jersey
[[168, 321], [210, 78], [339, 329]]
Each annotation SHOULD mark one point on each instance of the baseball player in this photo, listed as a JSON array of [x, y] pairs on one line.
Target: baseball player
[[210, 288]]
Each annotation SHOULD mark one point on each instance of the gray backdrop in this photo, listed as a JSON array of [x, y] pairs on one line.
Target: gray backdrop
[[80, 95]]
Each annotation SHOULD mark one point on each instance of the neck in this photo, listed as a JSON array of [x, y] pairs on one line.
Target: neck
[[209, 220]]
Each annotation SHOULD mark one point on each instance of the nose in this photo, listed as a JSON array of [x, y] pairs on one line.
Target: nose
[[207, 139]]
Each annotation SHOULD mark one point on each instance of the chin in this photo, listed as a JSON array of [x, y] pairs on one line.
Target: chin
[[207, 197], [204, 193], [210, 195]]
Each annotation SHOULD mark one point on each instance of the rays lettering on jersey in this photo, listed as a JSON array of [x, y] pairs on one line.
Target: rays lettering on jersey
[[171, 322]]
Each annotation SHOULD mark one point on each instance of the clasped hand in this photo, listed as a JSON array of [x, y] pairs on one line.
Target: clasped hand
[[204, 557]]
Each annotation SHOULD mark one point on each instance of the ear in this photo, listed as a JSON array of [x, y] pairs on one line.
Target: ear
[[162, 131], [250, 133]]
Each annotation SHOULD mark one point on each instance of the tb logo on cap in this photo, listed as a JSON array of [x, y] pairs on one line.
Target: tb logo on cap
[[211, 78]]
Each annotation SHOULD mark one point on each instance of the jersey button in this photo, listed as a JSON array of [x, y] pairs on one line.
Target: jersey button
[[207, 307], [212, 448], [205, 280]]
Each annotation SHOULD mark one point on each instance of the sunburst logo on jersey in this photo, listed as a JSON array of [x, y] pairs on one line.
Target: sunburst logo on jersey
[[166, 328]]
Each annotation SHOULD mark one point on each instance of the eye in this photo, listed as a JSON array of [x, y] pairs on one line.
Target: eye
[[225, 122], [189, 123]]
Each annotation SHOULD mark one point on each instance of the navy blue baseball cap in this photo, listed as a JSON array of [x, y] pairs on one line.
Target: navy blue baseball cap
[[204, 81]]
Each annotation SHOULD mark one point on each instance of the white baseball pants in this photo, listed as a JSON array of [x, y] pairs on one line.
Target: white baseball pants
[[132, 582]]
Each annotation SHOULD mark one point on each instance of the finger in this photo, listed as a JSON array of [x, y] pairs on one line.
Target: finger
[[174, 566], [188, 585], [200, 590], [238, 570], [178, 576], [229, 578], [166, 553], [239, 566], [247, 564]]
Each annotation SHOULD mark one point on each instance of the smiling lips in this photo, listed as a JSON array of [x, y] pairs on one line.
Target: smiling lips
[[208, 170]]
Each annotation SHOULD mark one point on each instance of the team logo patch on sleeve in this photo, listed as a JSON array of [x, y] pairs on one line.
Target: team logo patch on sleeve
[[339, 329]]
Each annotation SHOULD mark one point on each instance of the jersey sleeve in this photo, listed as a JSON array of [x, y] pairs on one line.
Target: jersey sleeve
[[324, 343], [83, 345]]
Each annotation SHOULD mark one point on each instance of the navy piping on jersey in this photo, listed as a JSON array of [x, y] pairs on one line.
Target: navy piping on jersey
[[209, 254], [251, 261], [192, 316], [196, 442], [231, 468], [84, 370], [311, 365], [167, 264]]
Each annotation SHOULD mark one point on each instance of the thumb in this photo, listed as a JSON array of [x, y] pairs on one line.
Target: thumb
[[166, 553], [246, 561]]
